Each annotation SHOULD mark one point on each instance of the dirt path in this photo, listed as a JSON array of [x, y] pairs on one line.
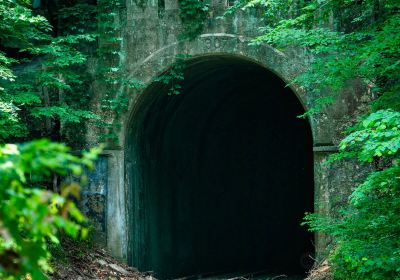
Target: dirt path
[[78, 261]]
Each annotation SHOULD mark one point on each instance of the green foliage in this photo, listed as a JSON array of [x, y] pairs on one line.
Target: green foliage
[[19, 27], [193, 14], [30, 215], [48, 95], [366, 231], [55, 86], [376, 136], [175, 76]]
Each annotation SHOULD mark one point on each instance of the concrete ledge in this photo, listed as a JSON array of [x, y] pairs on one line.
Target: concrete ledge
[[326, 149]]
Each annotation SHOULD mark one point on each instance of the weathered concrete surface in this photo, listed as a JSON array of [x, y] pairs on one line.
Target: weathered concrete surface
[[103, 202], [116, 214], [94, 197], [149, 46]]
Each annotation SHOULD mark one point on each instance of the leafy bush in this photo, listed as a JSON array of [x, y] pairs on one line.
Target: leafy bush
[[30, 215], [50, 94], [367, 244], [193, 14]]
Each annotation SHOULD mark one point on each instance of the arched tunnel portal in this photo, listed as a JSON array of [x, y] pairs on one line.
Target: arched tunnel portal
[[220, 176]]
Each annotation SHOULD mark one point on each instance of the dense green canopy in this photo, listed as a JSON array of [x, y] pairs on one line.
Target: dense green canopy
[[45, 92]]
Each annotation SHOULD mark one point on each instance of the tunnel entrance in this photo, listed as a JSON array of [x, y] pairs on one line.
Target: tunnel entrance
[[221, 175]]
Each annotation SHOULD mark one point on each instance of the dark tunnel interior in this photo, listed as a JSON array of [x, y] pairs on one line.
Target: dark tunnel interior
[[226, 173]]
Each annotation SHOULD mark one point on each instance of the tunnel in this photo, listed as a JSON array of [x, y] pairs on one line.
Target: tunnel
[[220, 175]]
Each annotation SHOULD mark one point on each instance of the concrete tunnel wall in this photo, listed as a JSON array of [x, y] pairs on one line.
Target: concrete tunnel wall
[[220, 175]]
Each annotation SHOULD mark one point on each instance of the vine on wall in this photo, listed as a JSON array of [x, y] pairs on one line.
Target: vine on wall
[[115, 96], [193, 14], [175, 76]]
